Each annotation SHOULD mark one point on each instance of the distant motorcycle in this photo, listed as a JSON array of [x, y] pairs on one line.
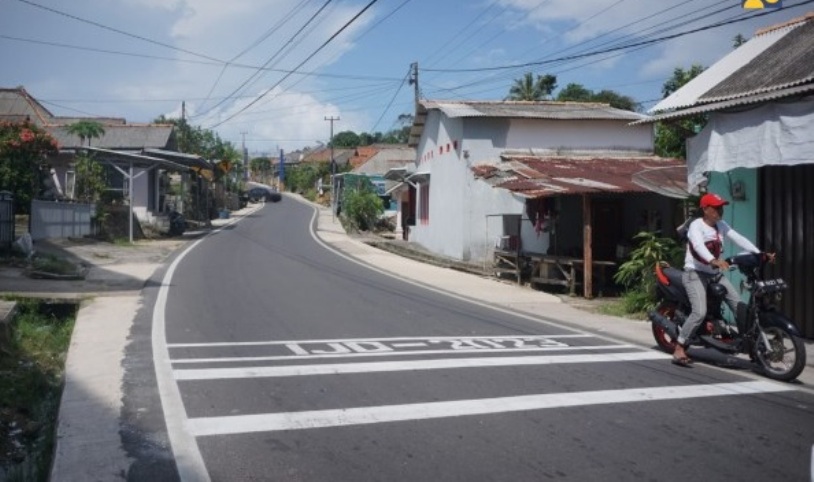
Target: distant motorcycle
[[772, 340], [178, 223]]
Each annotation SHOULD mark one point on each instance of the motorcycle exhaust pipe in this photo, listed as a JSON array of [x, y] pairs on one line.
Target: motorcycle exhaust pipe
[[669, 327]]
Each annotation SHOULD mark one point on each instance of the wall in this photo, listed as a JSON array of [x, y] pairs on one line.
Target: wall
[[460, 226], [740, 214]]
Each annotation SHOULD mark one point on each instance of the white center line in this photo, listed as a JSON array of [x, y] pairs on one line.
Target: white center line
[[271, 422], [395, 366]]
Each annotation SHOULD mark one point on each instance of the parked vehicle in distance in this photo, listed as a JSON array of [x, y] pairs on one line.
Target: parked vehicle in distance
[[257, 194]]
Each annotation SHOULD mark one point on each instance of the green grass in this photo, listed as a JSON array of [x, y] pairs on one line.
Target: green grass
[[52, 264], [32, 363]]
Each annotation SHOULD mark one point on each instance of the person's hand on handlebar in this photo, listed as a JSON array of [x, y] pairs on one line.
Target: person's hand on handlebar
[[769, 257], [720, 264]]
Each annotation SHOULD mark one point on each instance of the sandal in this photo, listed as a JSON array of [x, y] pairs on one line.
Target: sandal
[[682, 362]]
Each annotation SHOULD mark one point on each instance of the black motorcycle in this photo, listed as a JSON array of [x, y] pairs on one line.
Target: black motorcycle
[[772, 340]]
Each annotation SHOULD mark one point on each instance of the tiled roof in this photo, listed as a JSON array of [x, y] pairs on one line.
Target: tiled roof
[[542, 176], [17, 104], [361, 155]]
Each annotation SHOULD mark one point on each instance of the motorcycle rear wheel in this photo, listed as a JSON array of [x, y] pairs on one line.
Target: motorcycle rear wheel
[[785, 357], [663, 339]]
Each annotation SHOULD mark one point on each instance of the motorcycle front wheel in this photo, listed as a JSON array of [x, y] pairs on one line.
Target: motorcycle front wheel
[[785, 356], [663, 339]]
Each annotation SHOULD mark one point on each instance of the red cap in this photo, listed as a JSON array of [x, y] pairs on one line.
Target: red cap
[[712, 200]]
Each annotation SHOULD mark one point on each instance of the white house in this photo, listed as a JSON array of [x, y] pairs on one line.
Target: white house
[[459, 216]]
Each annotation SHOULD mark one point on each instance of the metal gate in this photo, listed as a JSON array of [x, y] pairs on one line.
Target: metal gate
[[6, 220], [787, 227]]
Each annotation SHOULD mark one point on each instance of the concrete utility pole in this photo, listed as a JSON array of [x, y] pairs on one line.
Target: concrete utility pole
[[332, 119], [414, 83], [245, 157]]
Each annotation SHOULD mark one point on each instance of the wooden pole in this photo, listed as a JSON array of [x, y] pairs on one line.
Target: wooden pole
[[587, 250]]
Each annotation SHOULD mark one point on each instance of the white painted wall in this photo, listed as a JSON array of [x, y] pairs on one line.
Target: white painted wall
[[460, 225]]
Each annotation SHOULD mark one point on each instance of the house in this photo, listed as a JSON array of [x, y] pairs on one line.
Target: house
[[757, 148], [138, 158], [386, 158], [548, 156]]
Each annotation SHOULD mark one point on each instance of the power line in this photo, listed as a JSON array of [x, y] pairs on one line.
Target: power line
[[257, 72], [122, 32], [373, 129], [613, 49], [324, 44]]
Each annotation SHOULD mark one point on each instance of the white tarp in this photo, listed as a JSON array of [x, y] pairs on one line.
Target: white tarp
[[775, 134]]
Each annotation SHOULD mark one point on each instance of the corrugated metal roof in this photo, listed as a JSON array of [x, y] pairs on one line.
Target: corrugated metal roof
[[532, 110], [788, 62], [776, 58], [726, 104], [537, 176]]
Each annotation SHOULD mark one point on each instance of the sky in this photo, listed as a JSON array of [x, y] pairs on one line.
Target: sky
[[268, 73]]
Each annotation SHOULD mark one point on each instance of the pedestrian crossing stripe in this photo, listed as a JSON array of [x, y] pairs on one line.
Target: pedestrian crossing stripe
[[314, 419], [408, 365]]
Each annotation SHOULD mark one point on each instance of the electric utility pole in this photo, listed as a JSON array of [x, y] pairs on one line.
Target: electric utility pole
[[414, 82], [245, 157], [332, 119]]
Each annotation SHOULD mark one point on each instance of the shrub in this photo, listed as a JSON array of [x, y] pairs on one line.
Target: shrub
[[361, 208], [637, 274]]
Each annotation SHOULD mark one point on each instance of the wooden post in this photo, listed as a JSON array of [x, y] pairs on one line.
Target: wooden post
[[517, 251], [587, 250]]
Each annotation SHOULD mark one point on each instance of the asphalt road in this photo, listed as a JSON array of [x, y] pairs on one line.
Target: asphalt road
[[289, 362]]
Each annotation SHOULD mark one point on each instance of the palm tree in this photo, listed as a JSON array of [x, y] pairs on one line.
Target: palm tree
[[86, 130], [527, 88]]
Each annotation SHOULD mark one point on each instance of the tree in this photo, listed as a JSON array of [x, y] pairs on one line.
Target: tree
[[23, 146], [529, 89], [575, 93], [90, 179], [615, 100], [346, 139], [671, 135], [86, 129], [578, 93]]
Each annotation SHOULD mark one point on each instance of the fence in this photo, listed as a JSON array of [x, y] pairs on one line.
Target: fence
[[60, 220], [6, 220]]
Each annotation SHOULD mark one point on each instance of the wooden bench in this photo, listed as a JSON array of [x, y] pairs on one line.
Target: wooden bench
[[562, 270]]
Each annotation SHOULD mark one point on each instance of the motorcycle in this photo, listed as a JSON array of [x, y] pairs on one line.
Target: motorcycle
[[772, 341]]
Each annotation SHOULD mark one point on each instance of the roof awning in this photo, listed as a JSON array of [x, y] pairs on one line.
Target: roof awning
[[396, 174], [189, 160], [423, 176], [127, 159], [668, 181], [545, 176]]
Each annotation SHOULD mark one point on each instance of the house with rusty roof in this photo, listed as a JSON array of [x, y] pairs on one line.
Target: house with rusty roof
[[757, 148], [544, 178], [137, 157]]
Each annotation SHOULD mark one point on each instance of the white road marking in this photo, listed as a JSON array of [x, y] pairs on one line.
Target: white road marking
[[188, 459], [422, 411], [383, 340], [396, 353], [412, 365]]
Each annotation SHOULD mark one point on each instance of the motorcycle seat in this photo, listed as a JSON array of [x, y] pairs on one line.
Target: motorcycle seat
[[674, 275]]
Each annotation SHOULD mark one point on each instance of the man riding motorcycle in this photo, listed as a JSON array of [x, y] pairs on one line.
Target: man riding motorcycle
[[701, 262]]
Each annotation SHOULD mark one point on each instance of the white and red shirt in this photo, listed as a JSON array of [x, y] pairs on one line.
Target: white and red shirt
[[705, 243]]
